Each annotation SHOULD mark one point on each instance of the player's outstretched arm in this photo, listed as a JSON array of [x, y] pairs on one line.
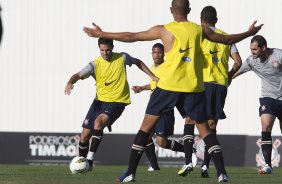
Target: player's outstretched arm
[[151, 34], [229, 39], [145, 69], [70, 84]]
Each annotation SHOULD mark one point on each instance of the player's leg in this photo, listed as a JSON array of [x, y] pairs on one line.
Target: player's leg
[[214, 149], [164, 129], [140, 141], [207, 157], [109, 113], [188, 139], [87, 131], [160, 101], [151, 155], [269, 109], [267, 121], [195, 107], [166, 143], [84, 142], [280, 123], [100, 123], [215, 101]]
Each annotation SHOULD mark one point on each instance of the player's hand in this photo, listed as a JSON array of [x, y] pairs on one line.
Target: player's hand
[[137, 89], [68, 88], [93, 32], [156, 79], [254, 29]]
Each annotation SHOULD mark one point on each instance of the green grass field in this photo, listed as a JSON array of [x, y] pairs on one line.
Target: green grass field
[[30, 174]]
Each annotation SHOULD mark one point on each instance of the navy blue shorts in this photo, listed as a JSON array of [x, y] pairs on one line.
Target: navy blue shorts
[[271, 106], [165, 125], [112, 109], [192, 104], [215, 97]]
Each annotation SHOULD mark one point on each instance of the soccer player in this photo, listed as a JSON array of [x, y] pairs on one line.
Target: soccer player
[[112, 94], [267, 64], [216, 80], [181, 79], [165, 125]]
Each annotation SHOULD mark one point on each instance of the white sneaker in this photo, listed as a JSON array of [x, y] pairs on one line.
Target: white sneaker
[[266, 169], [222, 178], [126, 178], [150, 169]]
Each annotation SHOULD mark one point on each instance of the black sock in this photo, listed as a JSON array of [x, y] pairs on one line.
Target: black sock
[[188, 139], [96, 140], [215, 152], [176, 146], [207, 157], [141, 139], [151, 154], [83, 148], [280, 123], [266, 146]]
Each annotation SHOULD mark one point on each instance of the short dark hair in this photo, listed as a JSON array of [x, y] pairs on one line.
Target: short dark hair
[[158, 45], [209, 14], [105, 41], [260, 40], [181, 6]]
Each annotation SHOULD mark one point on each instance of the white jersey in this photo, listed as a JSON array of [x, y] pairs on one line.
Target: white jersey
[[270, 72]]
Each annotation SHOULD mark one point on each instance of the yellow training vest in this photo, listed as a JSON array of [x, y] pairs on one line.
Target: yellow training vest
[[111, 82], [182, 70], [216, 61], [155, 70]]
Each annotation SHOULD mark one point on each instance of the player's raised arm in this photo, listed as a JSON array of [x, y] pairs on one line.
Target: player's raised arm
[[151, 34], [232, 38]]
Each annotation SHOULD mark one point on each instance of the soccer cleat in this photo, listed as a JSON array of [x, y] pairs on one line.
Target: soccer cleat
[[204, 172], [153, 169], [90, 162], [186, 169], [266, 169], [126, 178], [222, 178]]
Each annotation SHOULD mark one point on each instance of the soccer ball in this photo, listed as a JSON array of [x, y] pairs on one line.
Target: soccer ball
[[79, 165]]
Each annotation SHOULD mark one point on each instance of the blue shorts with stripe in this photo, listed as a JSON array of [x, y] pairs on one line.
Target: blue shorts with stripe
[[215, 97], [112, 109], [270, 106], [165, 125], [191, 105]]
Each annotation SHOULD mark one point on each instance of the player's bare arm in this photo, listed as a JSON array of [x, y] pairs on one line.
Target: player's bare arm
[[154, 33], [151, 34], [229, 39], [138, 89], [236, 66], [145, 69], [74, 78]]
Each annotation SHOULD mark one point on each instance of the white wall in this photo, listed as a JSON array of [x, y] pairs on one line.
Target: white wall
[[43, 45]]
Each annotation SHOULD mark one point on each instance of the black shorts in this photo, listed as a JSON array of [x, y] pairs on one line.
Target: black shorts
[[270, 106], [192, 104], [112, 109], [165, 125], [215, 97]]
